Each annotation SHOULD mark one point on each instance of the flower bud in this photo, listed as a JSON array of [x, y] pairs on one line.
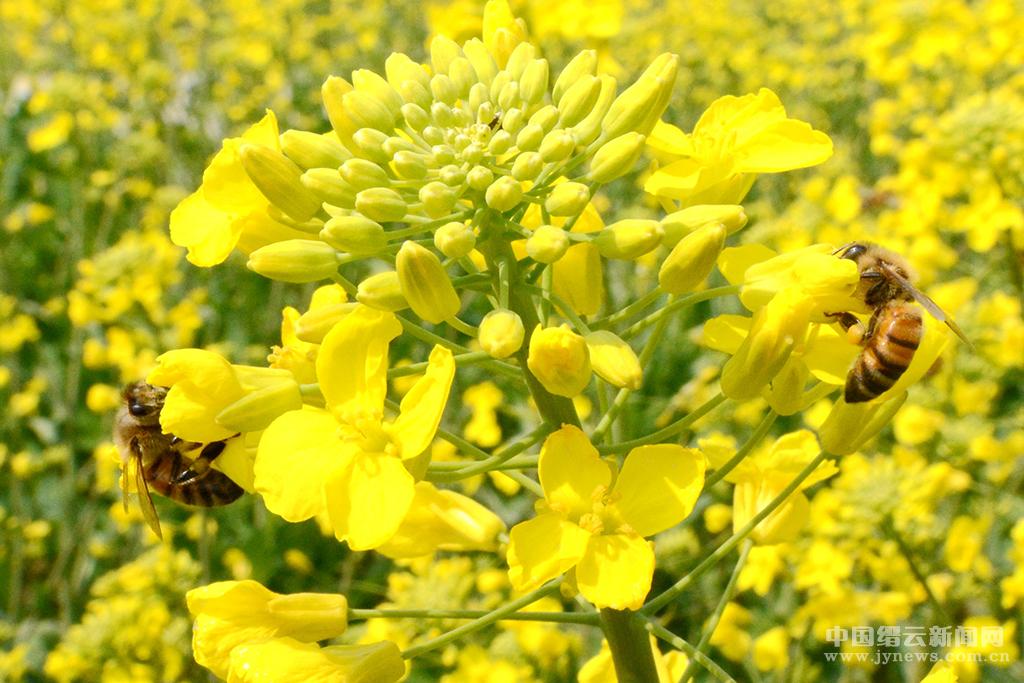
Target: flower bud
[[394, 144], [483, 64], [530, 137], [257, 409], [312, 150], [369, 143], [294, 261], [425, 284], [399, 68], [587, 130], [455, 239], [614, 360], [640, 105], [363, 174], [354, 234], [277, 178], [567, 199], [681, 223], [410, 165], [547, 244], [775, 330], [372, 83], [628, 239], [617, 157], [508, 97], [559, 359], [438, 199], [504, 194], [499, 143], [415, 116], [329, 186], [527, 166], [443, 89], [452, 175], [480, 178], [501, 333], [443, 51], [546, 117], [579, 67], [557, 146], [692, 259], [366, 111], [463, 76], [382, 204], [523, 54], [785, 394], [851, 425], [579, 100], [333, 92], [382, 292], [313, 325], [534, 81]]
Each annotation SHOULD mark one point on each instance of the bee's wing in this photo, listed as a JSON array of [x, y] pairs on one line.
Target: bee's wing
[[923, 299], [134, 465]]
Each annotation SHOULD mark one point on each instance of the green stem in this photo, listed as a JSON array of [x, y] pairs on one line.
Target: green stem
[[712, 624], [676, 305], [552, 617], [423, 335], [527, 483], [563, 307], [678, 643], [908, 554], [500, 457], [727, 547], [744, 450], [461, 359], [463, 327], [630, 310], [483, 621], [667, 432]]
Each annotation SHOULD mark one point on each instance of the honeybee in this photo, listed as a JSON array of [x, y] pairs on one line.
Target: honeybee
[[156, 460], [895, 329]]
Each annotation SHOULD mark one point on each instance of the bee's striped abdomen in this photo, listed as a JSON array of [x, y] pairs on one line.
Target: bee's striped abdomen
[[211, 489], [896, 334]]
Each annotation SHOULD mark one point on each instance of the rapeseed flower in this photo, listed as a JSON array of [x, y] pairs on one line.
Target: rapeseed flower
[[594, 522]]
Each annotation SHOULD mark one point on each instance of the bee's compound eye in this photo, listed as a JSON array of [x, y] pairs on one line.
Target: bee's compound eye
[[854, 252], [139, 410]]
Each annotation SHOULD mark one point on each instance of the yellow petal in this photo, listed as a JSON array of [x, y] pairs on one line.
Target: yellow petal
[[726, 332], [353, 362], [286, 660], [422, 407], [297, 453], [542, 548], [207, 232], [368, 499], [783, 146], [667, 139], [578, 278], [616, 571], [734, 261], [571, 472], [202, 384], [225, 182], [658, 487], [829, 354]]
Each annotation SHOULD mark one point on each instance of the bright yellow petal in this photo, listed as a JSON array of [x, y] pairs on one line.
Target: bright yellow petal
[[783, 146], [829, 354], [726, 332], [734, 261], [658, 487], [239, 460], [542, 548], [201, 384], [578, 278], [666, 139], [296, 455], [368, 499], [571, 472], [264, 132], [423, 405], [353, 362], [208, 233], [616, 571], [286, 660]]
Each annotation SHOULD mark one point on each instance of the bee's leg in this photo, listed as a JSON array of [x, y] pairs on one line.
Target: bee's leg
[[182, 446], [201, 465], [855, 330]]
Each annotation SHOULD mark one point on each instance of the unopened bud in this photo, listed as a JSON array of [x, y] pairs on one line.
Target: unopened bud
[[617, 157], [399, 68], [547, 244], [579, 67], [557, 146], [579, 100], [534, 81], [501, 333], [628, 239], [363, 174], [455, 239], [369, 144], [425, 283], [329, 186], [567, 199], [443, 51], [692, 259], [333, 92], [614, 360], [354, 234], [257, 409], [382, 204], [452, 175], [415, 116], [294, 261], [277, 178], [546, 117], [559, 359], [504, 194], [527, 166], [366, 111], [681, 223], [463, 76], [640, 105], [312, 150], [410, 165], [530, 137], [483, 64], [382, 292], [500, 142], [438, 199], [374, 84], [480, 178], [443, 89], [851, 425], [523, 54], [587, 130]]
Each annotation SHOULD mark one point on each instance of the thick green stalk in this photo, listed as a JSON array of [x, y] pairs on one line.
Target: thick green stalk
[[584, 618]]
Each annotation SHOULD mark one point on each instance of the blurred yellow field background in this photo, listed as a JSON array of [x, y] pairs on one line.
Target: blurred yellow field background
[[111, 111]]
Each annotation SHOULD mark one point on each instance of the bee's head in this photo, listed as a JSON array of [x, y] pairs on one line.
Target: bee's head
[[144, 401]]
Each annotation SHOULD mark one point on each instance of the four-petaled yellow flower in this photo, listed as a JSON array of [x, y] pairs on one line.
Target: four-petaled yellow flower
[[734, 140], [596, 521], [348, 460]]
